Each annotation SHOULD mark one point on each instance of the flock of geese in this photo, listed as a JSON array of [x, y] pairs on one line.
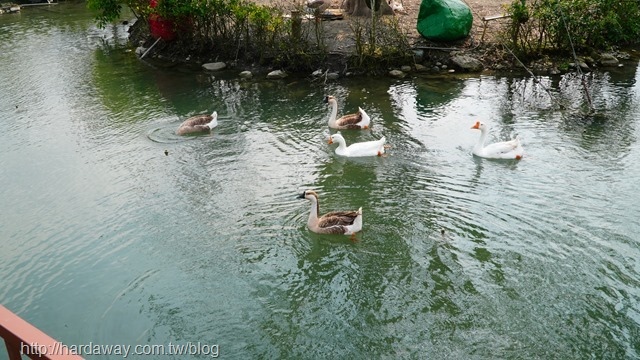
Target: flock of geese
[[350, 222]]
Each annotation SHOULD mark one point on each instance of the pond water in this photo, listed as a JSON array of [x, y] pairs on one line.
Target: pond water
[[106, 240]]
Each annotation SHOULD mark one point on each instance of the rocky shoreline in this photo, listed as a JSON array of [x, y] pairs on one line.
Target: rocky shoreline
[[481, 52]]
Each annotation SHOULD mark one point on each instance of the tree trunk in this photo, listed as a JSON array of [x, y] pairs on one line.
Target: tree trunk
[[363, 7]]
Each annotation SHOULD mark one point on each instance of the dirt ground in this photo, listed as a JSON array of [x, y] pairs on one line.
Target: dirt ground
[[339, 33]]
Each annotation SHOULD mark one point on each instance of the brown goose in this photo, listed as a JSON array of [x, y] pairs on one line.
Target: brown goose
[[335, 222], [198, 123], [359, 120]]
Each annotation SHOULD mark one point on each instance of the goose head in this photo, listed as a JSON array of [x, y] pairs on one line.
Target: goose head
[[479, 125], [309, 195], [337, 137], [329, 99]]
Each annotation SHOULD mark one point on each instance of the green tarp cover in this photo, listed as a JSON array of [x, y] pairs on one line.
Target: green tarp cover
[[444, 20]]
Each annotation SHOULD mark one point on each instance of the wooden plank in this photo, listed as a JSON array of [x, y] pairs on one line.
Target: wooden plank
[[495, 17]]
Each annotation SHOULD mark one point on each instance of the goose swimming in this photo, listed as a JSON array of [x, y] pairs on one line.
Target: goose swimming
[[359, 120], [335, 222], [511, 149], [198, 124]]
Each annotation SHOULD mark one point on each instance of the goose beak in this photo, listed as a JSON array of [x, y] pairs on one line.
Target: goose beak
[[476, 125], [330, 141], [301, 196], [326, 99]]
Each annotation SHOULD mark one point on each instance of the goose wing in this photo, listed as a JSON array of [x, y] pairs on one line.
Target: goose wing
[[337, 219], [197, 120], [367, 148], [502, 148], [350, 121]]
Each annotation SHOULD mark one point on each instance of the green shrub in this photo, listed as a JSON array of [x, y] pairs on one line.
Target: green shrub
[[241, 29], [556, 25], [380, 42], [228, 28]]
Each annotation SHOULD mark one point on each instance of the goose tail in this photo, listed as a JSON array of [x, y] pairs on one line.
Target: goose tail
[[365, 117], [357, 223], [381, 143], [214, 120]]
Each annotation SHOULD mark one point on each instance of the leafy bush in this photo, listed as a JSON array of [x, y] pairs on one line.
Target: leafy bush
[[241, 29], [229, 28], [109, 10], [543, 25], [380, 42]]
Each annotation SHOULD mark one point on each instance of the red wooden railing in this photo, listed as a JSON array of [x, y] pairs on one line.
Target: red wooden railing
[[20, 337]]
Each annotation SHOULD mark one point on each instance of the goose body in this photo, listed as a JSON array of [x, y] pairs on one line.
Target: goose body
[[511, 149], [335, 222], [367, 148], [359, 120], [198, 124]]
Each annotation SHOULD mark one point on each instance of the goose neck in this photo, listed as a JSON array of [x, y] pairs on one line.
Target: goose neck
[[342, 145], [334, 112], [313, 213], [481, 140]]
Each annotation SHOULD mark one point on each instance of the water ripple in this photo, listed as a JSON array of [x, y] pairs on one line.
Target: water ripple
[[200, 241]]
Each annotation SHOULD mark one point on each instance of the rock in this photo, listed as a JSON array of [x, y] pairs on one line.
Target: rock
[[246, 74], [435, 69], [444, 20], [317, 73], [623, 55], [608, 60], [140, 50], [214, 66], [583, 66], [397, 74], [554, 71], [421, 68], [333, 76], [406, 68], [467, 63], [276, 74]]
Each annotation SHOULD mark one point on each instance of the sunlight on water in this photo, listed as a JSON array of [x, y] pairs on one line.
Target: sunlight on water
[[115, 230]]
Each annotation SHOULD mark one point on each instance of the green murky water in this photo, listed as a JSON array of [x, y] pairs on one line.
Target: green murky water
[[104, 239]]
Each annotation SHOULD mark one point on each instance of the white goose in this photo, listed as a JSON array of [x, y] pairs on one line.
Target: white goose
[[359, 120], [367, 148], [198, 124], [335, 222], [511, 149]]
